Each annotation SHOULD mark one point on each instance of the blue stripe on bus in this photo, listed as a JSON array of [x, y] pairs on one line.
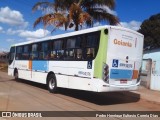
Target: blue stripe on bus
[[40, 65], [121, 74]]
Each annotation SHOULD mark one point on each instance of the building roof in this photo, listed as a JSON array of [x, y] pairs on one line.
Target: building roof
[[3, 53]]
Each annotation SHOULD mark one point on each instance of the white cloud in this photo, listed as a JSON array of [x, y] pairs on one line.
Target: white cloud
[[10, 40], [12, 17], [29, 35], [109, 10], [97, 24], [134, 25], [84, 26], [1, 30], [10, 31]]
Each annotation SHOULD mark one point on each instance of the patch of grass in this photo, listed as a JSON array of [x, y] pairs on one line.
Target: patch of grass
[[3, 67]]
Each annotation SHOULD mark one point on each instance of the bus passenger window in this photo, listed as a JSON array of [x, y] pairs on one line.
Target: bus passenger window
[[19, 53], [25, 54], [60, 54], [57, 45], [11, 55], [34, 54], [91, 45], [79, 42], [70, 49], [71, 42], [53, 55], [90, 53], [41, 55], [70, 54], [57, 53], [44, 53], [79, 54]]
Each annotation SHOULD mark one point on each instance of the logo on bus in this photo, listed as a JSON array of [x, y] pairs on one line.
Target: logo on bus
[[84, 73], [89, 65], [115, 63], [126, 65], [122, 43]]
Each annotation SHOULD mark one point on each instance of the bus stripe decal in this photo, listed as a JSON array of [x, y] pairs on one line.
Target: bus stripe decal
[[101, 56], [30, 65], [135, 74], [121, 74]]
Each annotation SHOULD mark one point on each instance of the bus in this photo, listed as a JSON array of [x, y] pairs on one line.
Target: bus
[[99, 59]]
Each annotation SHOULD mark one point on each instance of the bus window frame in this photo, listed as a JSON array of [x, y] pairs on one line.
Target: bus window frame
[[82, 47], [10, 55]]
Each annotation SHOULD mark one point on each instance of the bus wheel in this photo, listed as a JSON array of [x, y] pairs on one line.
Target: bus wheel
[[52, 83], [16, 75]]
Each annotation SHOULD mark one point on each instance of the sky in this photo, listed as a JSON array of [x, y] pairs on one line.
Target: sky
[[17, 18]]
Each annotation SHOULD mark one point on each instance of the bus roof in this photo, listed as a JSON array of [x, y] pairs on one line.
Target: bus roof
[[76, 33]]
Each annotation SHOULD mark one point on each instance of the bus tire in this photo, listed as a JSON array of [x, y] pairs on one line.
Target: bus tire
[[16, 75], [52, 83]]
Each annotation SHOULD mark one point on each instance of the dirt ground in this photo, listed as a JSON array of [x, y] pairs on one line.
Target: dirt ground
[[23, 95], [3, 66]]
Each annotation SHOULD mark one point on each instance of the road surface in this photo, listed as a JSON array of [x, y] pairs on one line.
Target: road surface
[[29, 96]]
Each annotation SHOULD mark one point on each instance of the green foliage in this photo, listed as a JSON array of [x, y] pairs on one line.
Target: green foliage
[[150, 28]]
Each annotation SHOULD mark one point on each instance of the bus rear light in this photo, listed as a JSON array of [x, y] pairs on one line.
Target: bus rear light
[[106, 78], [106, 67], [106, 73]]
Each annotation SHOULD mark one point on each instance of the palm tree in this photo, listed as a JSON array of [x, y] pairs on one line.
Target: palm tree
[[75, 13]]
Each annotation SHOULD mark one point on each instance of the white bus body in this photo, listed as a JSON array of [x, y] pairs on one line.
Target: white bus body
[[114, 67]]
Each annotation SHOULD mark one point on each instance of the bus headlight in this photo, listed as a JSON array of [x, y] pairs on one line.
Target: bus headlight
[[106, 73]]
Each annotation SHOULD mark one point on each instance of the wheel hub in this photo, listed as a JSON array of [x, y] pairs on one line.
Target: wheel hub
[[52, 83]]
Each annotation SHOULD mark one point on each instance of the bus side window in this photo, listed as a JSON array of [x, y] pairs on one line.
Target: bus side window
[[70, 48], [79, 54], [11, 55], [79, 47], [90, 53], [70, 54], [91, 45], [44, 51], [60, 54], [53, 55], [57, 52], [25, 54], [19, 53], [34, 54]]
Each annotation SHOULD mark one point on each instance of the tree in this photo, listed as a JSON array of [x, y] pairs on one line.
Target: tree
[[150, 28], [75, 13]]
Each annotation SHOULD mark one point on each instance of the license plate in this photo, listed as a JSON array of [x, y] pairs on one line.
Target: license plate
[[123, 81]]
